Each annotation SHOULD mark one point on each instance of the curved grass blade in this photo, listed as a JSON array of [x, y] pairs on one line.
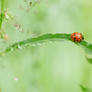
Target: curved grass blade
[[88, 49], [51, 37], [43, 38]]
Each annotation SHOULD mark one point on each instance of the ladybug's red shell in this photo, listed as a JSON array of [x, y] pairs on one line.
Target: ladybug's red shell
[[77, 37]]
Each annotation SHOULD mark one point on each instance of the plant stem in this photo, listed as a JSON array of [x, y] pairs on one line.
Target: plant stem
[[39, 39], [2, 5], [1, 15], [48, 37]]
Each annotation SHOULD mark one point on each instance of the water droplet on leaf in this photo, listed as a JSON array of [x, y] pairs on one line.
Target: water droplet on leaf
[[11, 49], [19, 47], [34, 45]]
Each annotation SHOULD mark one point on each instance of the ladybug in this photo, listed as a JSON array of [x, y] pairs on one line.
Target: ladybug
[[77, 37]]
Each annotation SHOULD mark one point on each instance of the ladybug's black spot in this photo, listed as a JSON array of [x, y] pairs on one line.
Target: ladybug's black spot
[[74, 39]]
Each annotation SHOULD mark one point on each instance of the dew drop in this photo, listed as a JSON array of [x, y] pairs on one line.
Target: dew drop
[[50, 42], [19, 47], [26, 45], [33, 45], [29, 44], [11, 49], [39, 44]]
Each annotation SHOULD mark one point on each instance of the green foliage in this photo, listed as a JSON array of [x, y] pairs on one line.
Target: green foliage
[[89, 60], [84, 89], [2, 16], [2, 13]]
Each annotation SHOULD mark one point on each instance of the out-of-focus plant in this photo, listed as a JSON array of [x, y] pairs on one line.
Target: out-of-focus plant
[[85, 89], [4, 15]]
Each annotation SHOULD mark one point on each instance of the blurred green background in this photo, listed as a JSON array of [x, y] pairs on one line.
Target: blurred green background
[[52, 66]]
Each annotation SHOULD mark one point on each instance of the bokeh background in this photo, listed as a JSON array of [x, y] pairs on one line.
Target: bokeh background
[[52, 66]]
